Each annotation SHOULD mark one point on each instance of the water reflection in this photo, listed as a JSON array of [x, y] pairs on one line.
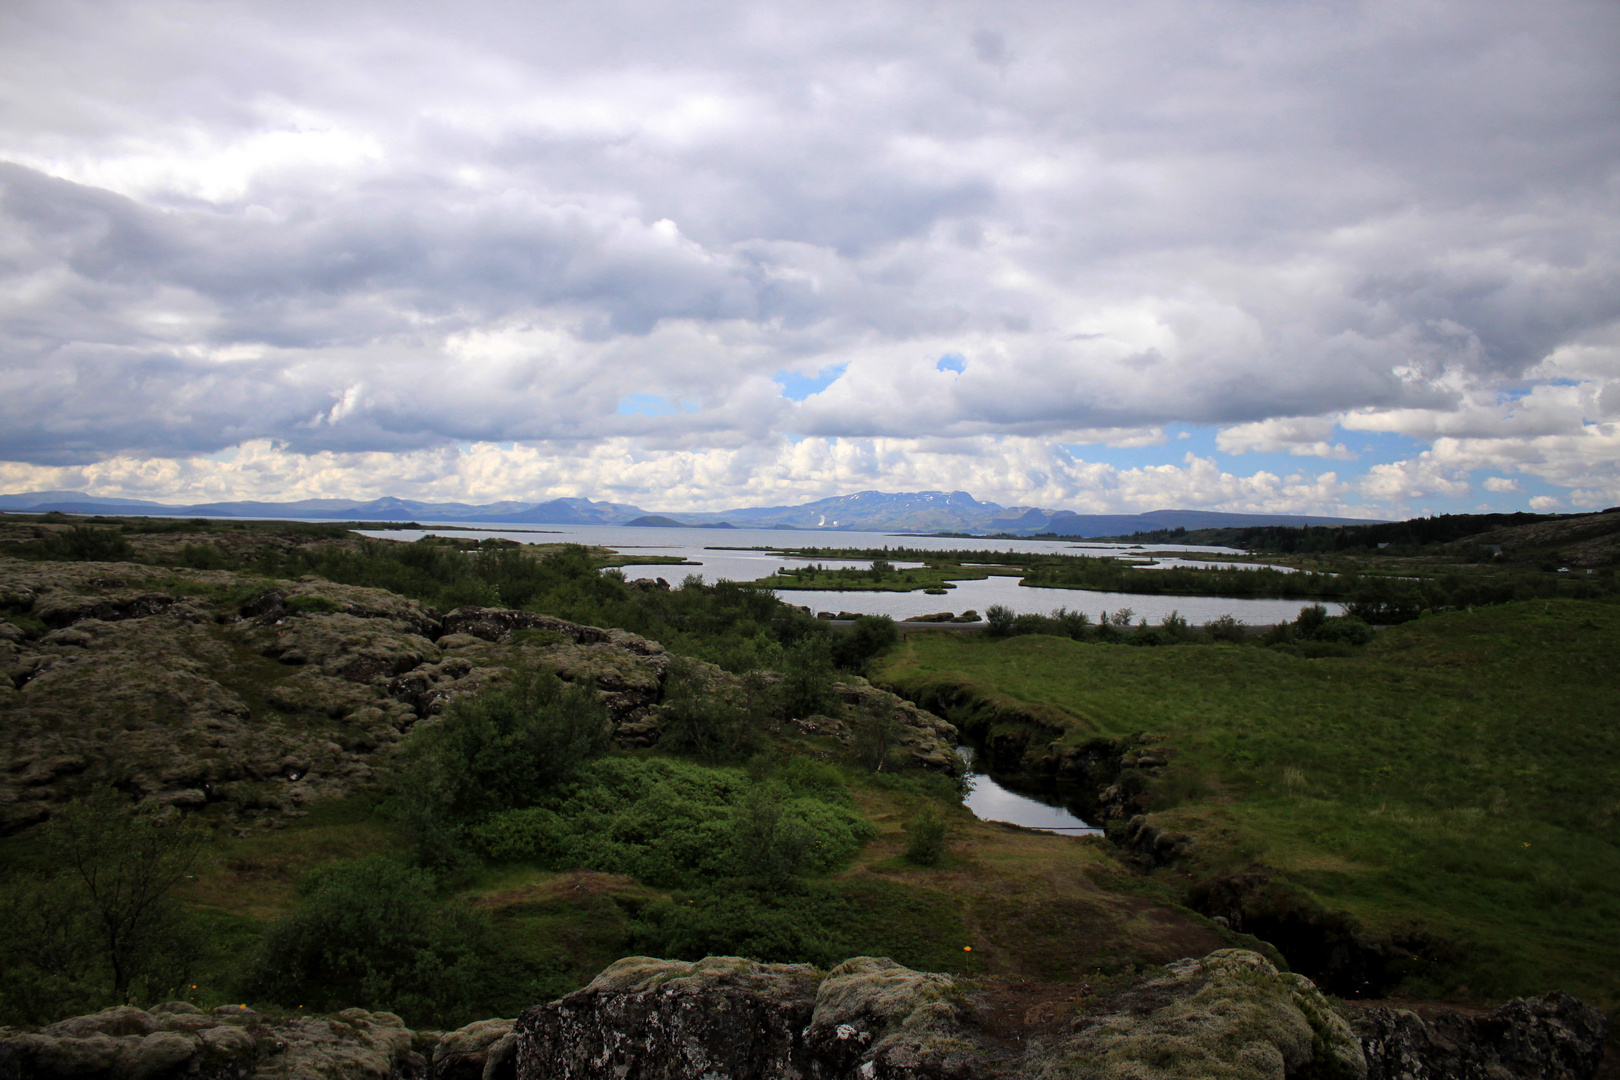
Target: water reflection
[[990, 801], [715, 552]]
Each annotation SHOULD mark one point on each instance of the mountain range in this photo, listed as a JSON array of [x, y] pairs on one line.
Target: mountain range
[[865, 511]]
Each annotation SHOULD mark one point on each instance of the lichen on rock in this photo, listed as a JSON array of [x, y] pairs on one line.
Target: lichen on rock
[[1228, 1016]]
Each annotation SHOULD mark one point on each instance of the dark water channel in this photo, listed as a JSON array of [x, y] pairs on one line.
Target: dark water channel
[[1047, 807]]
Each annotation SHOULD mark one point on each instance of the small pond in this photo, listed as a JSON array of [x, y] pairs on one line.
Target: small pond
[[991, 801]]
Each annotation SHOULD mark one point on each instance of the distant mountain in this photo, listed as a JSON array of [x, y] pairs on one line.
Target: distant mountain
[[864, 511]]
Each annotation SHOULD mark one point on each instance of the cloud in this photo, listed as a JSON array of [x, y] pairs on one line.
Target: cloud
[[1302, 436], [1011, 471], [365, 229]]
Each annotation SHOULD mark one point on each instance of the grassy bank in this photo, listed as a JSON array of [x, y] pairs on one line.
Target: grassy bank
[[1460, 774]]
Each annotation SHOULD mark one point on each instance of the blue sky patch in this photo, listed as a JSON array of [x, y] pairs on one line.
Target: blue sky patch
[[797, 387], [951, 362]]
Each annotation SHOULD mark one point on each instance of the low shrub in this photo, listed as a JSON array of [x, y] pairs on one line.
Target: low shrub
[[675, 824], [501, 749], [925, 837], [371, 933]]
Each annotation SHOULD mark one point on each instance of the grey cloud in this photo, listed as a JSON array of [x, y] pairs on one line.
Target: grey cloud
[[1294, 207]]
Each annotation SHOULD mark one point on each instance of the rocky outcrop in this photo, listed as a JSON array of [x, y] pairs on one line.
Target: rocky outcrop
[[483, 1050], [1230, 1014], [644, 1018], [925, 739], [647, 1019], [178, 1040], [1557, 1037], [189, 687], [1148, 845]]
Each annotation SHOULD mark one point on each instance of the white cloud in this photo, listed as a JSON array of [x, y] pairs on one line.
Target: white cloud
[[1010, 471], [1501, 485], [1302, 436]]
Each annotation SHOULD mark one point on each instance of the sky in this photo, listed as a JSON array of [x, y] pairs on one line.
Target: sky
[[1340, 258]]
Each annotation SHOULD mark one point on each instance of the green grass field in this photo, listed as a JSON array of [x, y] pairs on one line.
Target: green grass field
[[1461, 775]]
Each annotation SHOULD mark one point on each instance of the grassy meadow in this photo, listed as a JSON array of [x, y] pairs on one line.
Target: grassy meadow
[[1460, 775]]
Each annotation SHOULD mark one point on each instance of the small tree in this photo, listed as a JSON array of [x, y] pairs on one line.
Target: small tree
[[123, 863], [771, 847], [498, 750], [925, 837], [807, 677], [878, 732], [868, 637], [704, 721]]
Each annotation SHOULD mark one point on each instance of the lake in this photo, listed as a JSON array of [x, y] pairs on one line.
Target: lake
[[705, 547]]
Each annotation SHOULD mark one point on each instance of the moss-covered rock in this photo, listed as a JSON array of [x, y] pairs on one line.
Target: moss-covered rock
[[871, 1011], [231, 1043], [1229, 1016], [644, 1018]]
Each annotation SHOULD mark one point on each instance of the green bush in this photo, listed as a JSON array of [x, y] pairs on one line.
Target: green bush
[[371, 933], [309, 605], [877, 735], [501, 749], [87, 544], [105, 930], [868, 637], [202, 557], [792, 928], [925, 837], [676, 824], [713, 725], [807, 678]]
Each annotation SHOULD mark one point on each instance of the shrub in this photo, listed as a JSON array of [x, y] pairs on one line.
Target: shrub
[[999, 620], [1344, 630], [925, 837], [865, 639], [106, 931], [1074, 624], [1310, 620], [84, 543], [309, 605], [878, 732], [202, 557], [807, 678], [370, 933], [1227, 629], [498, 750], [713, 725], [786, 928], [675, 824]]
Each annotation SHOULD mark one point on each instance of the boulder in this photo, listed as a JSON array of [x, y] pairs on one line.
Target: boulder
[[1230, 1015], [484, 1050], [1557, 1037], [649, 1019], [876, 1014]]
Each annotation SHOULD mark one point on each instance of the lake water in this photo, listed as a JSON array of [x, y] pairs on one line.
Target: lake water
[[990, 801], [705, 547]]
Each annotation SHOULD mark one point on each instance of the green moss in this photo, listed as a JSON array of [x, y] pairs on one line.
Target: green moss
[[305, 605]]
